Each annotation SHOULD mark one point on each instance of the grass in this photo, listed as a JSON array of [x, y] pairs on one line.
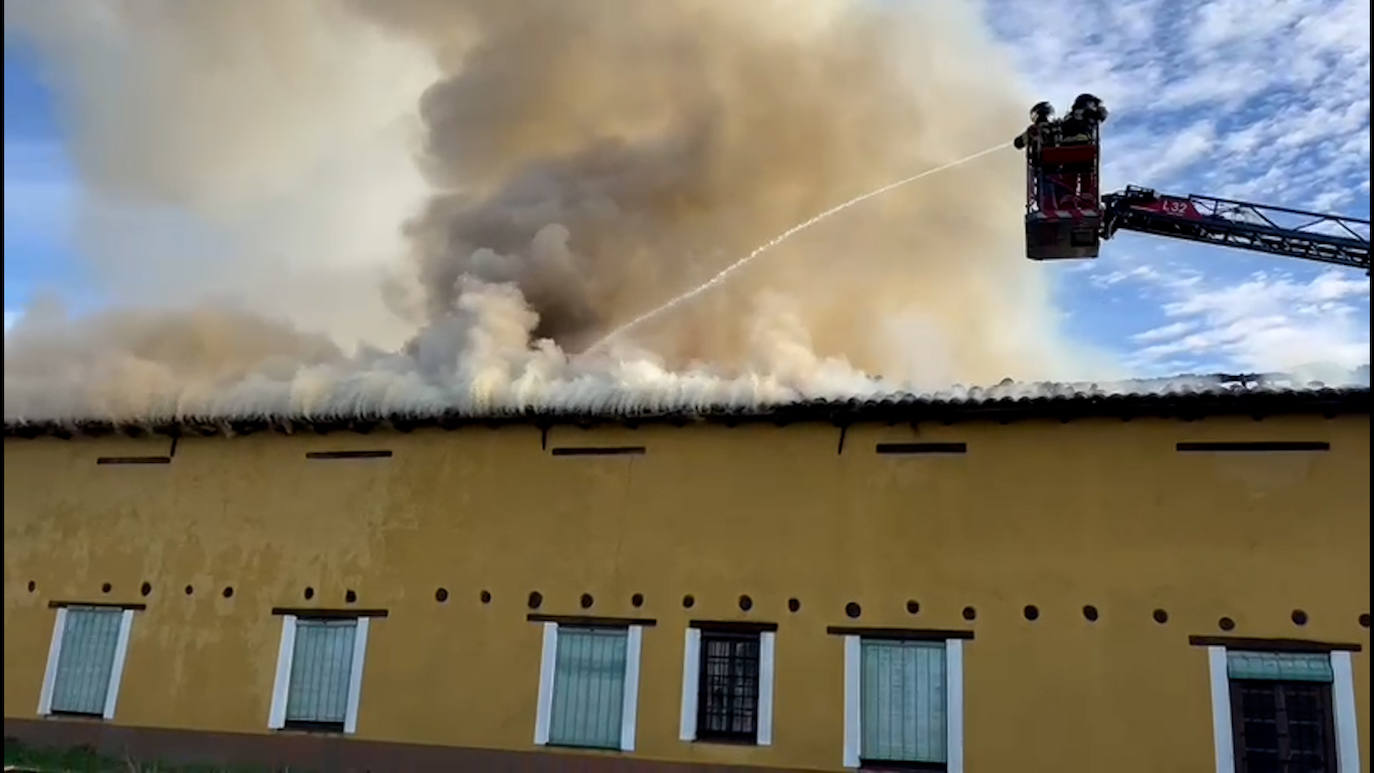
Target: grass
[[22, 758]]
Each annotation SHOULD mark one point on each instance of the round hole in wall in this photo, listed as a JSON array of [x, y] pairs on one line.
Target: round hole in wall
[[228, 591], [485, 596], [688, 601], [1226, 624], [145, 589], [1364, 620], [1090, 613], [309, 593], [441, 595], [912, 607], [793, 605], [105, 588], [852, 609], [1031, 612], [1160, 616], [350, 597], [970, 613], [1299, 617], [190, 590], [536, 598], [746, 603], [637, 600], [32, 586], [586, 601]]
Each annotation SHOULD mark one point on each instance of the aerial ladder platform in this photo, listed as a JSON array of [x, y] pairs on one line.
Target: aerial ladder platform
[[1066, 218]]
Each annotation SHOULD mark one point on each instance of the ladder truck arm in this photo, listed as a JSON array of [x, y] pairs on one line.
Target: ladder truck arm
[[1066, 217], [1293, 233]]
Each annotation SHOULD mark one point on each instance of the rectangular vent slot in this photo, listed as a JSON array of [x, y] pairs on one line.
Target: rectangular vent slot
[[1258, 446], [133, 460], [598, 450], [922, 448], [348, 455]]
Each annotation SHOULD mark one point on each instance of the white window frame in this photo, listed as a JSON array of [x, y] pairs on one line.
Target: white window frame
[[276, 716], [59, 628], [548, 659], [691, 675], [954, 702], [1342, 710]]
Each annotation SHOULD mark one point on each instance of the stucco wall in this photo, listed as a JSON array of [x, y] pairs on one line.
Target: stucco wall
[[1053, 514]]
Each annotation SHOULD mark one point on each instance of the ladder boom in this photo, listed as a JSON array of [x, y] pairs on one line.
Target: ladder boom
[[1294, 233]]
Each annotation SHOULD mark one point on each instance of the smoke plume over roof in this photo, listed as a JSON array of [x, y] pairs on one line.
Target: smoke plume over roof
[[326, 208]]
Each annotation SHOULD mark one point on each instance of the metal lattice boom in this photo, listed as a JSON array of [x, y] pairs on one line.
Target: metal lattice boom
[[1293, 233]]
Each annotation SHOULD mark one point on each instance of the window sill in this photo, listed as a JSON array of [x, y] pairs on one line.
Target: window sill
[[578, 747], [79, 716], [901, 765], [322, 728], [714, 741]]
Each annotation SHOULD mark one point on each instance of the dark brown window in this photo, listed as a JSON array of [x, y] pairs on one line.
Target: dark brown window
[[1282, 727], [728, 688]]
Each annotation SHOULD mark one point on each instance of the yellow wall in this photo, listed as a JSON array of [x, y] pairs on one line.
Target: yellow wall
[[1046, 513]]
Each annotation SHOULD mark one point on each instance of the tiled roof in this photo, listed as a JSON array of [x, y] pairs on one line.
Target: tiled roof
[[1185, 397]]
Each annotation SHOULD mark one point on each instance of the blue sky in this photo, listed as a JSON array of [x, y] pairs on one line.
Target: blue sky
[[1260, 100], [39, 190], [1264, 100]]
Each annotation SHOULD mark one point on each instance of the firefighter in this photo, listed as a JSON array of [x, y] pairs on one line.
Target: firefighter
[[1080, 127], [1087, 112], [1041, 116]]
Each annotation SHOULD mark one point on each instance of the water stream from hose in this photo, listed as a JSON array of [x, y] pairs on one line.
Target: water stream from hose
[[775, 241]]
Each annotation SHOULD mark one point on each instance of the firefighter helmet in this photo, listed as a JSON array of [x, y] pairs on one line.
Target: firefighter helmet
[[1042, 112], [1090, 107]]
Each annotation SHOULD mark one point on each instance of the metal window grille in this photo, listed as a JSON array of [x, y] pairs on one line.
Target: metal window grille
[[321, 667], [86, 658], [1283, 727], [902, 712], [728, 687], [588, 687]]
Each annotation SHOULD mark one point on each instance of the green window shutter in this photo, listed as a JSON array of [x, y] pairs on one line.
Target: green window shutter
[[588, 687], [89, 639], [1285, 666], [902, 701], [321, 664]]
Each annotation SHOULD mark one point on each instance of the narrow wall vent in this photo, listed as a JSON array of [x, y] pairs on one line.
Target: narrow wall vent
[[1255, 446], [348, 455], [133, 460], [921, 448], [598, 451]]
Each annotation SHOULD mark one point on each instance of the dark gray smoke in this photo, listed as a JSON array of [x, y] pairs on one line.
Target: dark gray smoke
[[582, 162]]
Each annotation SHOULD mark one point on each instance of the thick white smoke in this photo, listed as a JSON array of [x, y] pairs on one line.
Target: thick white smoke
[[499, 184]]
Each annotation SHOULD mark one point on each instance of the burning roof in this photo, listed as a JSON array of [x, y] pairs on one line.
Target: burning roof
[[1184, 397]]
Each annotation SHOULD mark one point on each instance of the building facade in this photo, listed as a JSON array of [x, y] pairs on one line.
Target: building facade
[[1074, 584]]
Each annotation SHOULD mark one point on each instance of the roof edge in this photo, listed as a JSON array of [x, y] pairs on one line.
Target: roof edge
[[1183, 406]]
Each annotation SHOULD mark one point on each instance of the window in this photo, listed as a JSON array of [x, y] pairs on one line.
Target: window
[[588, 686], [728, 688], [1286, 712], [319, 674], [903, 703], [85, 661], [727, 684], [1282, 726]]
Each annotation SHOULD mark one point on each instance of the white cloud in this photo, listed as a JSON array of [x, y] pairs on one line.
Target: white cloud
[[1265, 98], [1103, 281], [1270, 321], [1165, 332]]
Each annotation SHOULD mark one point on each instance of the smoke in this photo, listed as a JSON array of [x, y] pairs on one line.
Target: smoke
[[464, 193]]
